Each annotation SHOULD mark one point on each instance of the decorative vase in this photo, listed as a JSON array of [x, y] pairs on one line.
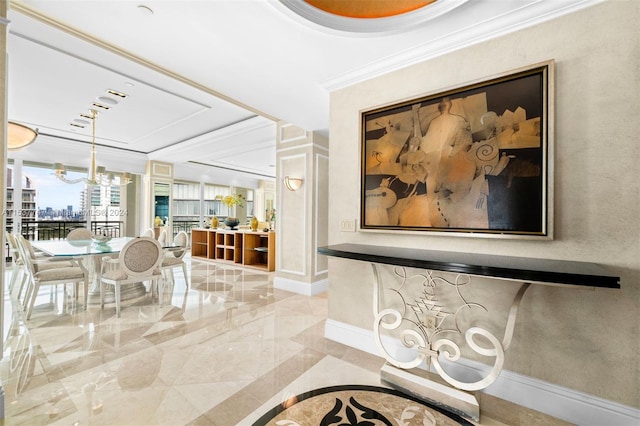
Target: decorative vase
[[232, 222], [254, 223], [214, 222]]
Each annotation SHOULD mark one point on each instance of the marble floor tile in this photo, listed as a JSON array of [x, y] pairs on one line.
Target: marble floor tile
[[221, 351]]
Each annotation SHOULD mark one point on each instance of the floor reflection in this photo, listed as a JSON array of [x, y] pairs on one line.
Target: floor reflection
[[222, 351], [68, 365]]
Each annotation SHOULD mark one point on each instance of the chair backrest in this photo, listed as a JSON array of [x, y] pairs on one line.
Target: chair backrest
[[79, 234], [141, 256], [162, 238], [148, 233], [27, 254], [27, 249], [181, 240], [16, 258]]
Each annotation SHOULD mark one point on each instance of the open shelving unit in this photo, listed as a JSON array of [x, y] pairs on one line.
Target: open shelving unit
[[259, 250], [228, 246], [211, 245], [247, 248], [199, 244]]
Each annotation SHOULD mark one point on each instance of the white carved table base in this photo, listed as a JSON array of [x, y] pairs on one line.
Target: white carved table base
[[423, 324]]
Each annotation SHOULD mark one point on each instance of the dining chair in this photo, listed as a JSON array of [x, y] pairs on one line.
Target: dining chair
[[17, 268], [162, 237], [174, 258], [79, 234], [42, 272], [148, 233], [139, 260], [84, 237], [41, 262]]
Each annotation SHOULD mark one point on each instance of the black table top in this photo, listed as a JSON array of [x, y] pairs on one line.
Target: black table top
[[523, 269]]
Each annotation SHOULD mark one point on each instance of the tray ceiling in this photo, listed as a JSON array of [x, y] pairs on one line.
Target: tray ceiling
[[208, 80]]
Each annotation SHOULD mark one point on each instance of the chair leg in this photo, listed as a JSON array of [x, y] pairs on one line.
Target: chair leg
[[184, 271], [117, 295], [160, 284], [28, 292], [23, 281], [36, 288], [86, 293], [14, 277]]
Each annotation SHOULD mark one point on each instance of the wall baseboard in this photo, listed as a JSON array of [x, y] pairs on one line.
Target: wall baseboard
[[557, 401], [299, 287]]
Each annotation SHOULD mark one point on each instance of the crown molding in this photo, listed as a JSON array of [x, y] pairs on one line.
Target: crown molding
[[329, 22], [497, 26]]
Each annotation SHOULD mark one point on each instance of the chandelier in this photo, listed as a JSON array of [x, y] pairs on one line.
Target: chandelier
[[98, 175]]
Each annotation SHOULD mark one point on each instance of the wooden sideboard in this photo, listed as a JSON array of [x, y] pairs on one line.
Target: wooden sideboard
[[246, 248]]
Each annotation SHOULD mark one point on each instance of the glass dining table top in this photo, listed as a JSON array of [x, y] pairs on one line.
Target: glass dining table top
[[80, 247]]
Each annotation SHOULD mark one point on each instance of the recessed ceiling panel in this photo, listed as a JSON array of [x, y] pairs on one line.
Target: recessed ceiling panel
[[148, 118], [247, 160], [202, 67]]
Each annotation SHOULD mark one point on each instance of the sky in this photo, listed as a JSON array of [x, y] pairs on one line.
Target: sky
[[52, 192]]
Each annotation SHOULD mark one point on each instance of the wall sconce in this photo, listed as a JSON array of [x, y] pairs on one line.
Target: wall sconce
[[292, 183]]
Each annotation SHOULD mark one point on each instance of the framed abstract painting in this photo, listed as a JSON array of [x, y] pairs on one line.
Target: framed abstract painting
[[472, 160]]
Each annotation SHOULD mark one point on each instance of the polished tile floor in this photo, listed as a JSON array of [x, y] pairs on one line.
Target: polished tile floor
[[222, 351]]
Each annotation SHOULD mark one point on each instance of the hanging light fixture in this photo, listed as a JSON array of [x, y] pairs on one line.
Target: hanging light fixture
[[19, 136], [97, 174]]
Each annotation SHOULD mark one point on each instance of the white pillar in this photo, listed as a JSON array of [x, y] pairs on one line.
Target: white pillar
[[301, 215], [17, 178], [3, 172]]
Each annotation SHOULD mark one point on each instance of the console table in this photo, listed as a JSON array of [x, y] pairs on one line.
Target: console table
[[429, 322]]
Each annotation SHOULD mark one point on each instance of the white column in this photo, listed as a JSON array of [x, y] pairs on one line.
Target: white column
[[17, 178], [3, 172], [301, 215]]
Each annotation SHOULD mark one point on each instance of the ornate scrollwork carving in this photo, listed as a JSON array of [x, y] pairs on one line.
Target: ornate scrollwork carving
[[425, 323]]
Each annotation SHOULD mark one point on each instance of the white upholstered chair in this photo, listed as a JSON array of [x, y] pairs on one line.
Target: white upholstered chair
[[148, 233], [42, 272], [79, 234], [174, 258], [163, 237], [18, 272], [139, 260]]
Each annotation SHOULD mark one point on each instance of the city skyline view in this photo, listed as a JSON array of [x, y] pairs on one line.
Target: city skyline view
[[52, 192]]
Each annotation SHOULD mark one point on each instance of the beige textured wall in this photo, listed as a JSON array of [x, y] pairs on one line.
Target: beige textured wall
[[584, 339]]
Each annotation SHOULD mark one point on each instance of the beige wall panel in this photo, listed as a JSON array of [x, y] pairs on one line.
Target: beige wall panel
[[321, 205], [291, 221], [583, 339]]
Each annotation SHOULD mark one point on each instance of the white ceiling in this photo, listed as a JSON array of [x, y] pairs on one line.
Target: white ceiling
[[207, 80]]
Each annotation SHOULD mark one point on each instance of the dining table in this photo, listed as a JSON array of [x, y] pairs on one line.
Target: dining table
[[70, 248], [91, 252]]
